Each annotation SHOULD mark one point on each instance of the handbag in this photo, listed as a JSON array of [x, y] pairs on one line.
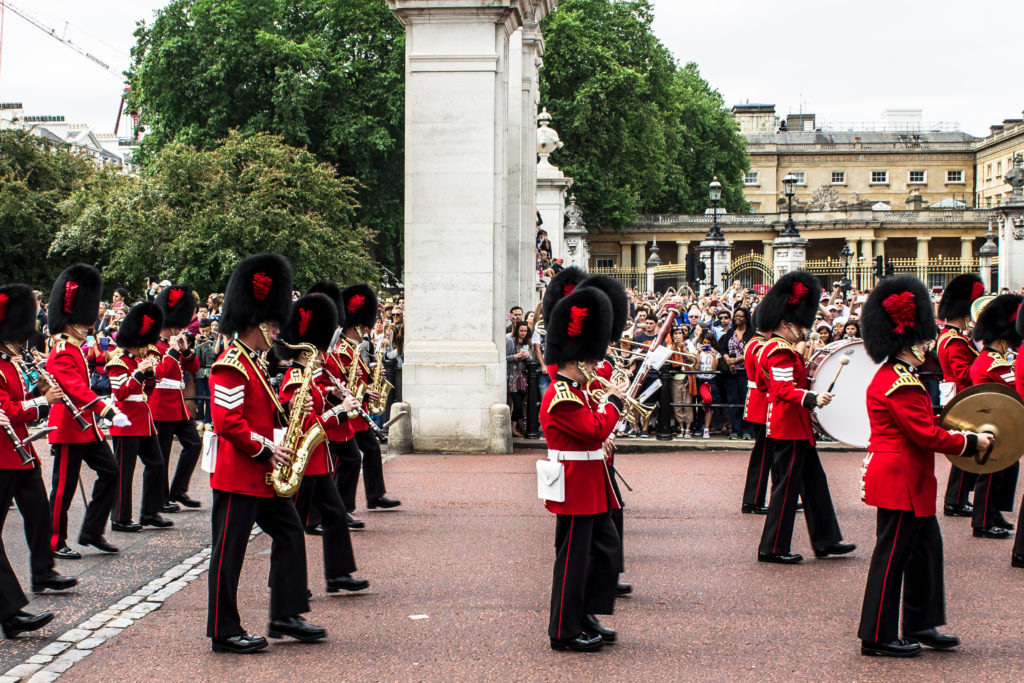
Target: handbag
[[208, 459], [551, 480]]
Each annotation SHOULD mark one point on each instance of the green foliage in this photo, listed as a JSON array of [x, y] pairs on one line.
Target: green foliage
[[193, 214], [642, 134], [327, 75], [36, 175]]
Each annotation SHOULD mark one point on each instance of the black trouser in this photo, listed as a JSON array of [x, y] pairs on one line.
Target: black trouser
[[12, 598], [800, 473], [347, 461], [1018, 540], [67, 462], [755, 491], [319, 491], [584, 575], [959, 486], [146, 449], [30, 496], [191, 445], [617, 522], [736, 394], [373, 466], [232, 519], [908, 553], [994, 493]]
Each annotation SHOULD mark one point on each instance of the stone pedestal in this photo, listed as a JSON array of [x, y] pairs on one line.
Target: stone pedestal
[[790, 254], [717, 257], [456, 179], [552, 186], [577, 247]]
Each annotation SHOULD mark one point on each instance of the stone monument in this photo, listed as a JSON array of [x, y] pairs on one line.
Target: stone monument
[[577, 249], [552, 186], [1011, 228]]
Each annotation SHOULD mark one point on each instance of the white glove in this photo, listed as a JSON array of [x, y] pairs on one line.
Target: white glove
[[121, 421]]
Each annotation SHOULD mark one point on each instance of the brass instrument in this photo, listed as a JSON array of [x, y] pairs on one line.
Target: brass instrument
[[993, 408], [357, 388], [379, 385], [303, 442], [635, 412], [358, 412], [686, 360], [979, 304]]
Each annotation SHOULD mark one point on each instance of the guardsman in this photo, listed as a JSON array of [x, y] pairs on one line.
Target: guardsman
[[898, 476], [956, 353], [788, 310], [168, 400], [74, 307], [575, 428], [996, 331], [313, 320], [21, 478], [755, 411], [132, 380], [245, 413]]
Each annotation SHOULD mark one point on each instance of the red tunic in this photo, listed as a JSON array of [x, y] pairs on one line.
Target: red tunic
[[990, 366], [785, 378], [20, 409], [168, 399], [131, 392], [319, 462], [755, 408], [573, 422], [899, 470], [347, 353], [340, 430], [66, 364], [956, 353], [245, 412], [1018, 376]]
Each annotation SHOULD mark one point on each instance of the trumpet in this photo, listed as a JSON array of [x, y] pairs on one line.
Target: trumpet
[[635, 412], [686, 360]]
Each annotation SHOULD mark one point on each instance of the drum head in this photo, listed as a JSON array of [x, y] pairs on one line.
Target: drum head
[[845, 419]]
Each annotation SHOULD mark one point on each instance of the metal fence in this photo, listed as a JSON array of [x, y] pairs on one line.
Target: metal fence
[[635, 278], [934, 272]]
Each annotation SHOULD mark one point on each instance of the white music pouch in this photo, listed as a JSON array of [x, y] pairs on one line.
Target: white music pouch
[[551, 480], [208, 459]]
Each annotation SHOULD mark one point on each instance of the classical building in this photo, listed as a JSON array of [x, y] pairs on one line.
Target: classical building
[[994, 158]]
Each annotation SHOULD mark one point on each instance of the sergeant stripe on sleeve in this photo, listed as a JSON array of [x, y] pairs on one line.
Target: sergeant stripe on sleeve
[[782, 374], [117, 381], [229, 397], [1007, 377]]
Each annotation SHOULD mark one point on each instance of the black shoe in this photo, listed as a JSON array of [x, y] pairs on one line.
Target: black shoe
[[156, 521], [1017, 560], [838, 548], [991, 532], [184, 499], [170, 508], [592, 626], [383, 502], [933, 639], [751, 509], [243, 644], [316, 530], [297, 628], [999, 520], [53, 581], [584, 642], [66, 553], [958, 510], [896, 648], [97, 542], [22, 622], [354, 523], [622, 588], [780, 558], [128, 527], [345, 582]]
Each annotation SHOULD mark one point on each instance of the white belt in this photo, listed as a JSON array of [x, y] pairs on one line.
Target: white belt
[[175, 384], [751, 385], [136, 398], [575, 455]]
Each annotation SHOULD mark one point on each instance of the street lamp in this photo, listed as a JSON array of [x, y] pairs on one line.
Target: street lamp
[[846, 254], [789, 185], [715, 194]]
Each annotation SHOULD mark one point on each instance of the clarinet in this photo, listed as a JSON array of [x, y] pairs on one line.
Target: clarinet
[[19, 447], [65, 399], [359, 411]]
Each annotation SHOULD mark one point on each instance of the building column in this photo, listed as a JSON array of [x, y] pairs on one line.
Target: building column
[[768, 250], [966, 250], [682, 249], [922, 258], [626, 255], [880, 248], [640, 255], [862, 265]]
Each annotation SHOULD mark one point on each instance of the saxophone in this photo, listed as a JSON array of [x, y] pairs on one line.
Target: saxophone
[[380, 386], [303, 442]]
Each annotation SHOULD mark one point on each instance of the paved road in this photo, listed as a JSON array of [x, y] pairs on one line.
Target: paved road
[[472, 547]]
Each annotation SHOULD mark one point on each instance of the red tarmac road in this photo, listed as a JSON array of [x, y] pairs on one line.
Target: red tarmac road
[[471, 549]]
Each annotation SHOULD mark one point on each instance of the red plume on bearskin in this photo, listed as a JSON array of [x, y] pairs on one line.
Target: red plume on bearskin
[[617, 295], [576, 317], [305, 317], [360, 306], [146, 325], [75, 298], [793, 299], [245, 307], [799, 292], [977, 291], [355, 303], [70, 294], [178, 304], [996, 321], [3, 307], [17, 313], [562, 285], [902, 310], [897, 315], [579, 328], [174, 296], [261, 285], [141, 326], [313, 320], [959, 294]]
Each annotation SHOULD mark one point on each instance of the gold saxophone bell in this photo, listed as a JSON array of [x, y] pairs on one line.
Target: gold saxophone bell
[[635, 412], [286, 479]]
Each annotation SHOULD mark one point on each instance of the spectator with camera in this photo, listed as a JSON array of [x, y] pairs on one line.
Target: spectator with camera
[[517, 351]]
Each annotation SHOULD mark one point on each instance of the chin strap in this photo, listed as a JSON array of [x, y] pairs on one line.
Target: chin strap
[[917, 353], [265, 331]]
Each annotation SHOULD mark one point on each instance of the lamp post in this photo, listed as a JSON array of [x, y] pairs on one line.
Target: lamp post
[[789, 187], [845, 254], [714, 232]]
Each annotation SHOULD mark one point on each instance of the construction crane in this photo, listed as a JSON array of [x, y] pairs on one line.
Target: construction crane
[[53, 34]]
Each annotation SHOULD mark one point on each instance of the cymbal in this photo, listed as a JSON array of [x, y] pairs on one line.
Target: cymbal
[[991, 408]]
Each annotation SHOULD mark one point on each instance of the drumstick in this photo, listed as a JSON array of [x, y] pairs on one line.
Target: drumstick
[[843, 362]]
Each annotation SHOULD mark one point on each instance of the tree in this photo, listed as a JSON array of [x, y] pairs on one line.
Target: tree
[[193, 214], [36, 175], [327, 75], [642, 135]]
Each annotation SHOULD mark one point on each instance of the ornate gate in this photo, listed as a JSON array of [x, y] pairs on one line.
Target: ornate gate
[[753, 270]]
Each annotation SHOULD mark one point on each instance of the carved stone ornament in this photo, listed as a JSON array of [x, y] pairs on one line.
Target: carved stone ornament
[[1018, 227], [824, 198], [1015, 177], [547, 138]]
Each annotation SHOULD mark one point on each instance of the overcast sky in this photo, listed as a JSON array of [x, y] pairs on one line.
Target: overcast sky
[[844, 60]]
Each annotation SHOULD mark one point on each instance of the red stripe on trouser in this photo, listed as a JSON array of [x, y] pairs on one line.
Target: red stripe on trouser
[[58, 501], [785, 497], [988, 493], [565, 573], [220, 563], [885, 579]]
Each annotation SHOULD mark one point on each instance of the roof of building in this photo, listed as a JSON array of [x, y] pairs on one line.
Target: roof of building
[[852, 137]]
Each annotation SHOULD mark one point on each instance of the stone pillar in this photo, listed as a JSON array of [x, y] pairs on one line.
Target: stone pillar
[[639, 257], [988, 252], [1011, 228], [790, 254], [880, 248], [966, 250], [531, 53], [682, 249], [516, 241], [456, 179], [577, 249], [626, 255], [768, 250], [922, 258], [861, 263], [718, 266], [851, 243], [552, 185]]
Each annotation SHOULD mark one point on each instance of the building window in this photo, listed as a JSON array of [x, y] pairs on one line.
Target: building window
[[916, 177], [751, 178], [999, 169], [838, 177], [605, 263], [988, 172], [954, 176], [879, 177], [801, 177]]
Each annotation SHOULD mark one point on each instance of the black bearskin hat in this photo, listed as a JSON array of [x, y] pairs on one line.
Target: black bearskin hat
[[313, 320], [897, 315], [959, 295], [17, 313], [1019, 322], [75, 298], [998, 320], [360, 306], [141, 326], [333, 292], [793, 299], [260, 290], [178, 304], [561, 285], [617, 295], [580, 327]]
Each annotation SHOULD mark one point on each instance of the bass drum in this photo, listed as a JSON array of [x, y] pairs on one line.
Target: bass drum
[[845, 419]]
